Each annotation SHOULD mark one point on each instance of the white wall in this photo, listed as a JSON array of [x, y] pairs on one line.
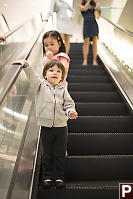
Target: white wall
[[17, 11]]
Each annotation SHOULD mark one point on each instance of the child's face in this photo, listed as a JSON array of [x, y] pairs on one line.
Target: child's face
[[51, 44], [53, 75]]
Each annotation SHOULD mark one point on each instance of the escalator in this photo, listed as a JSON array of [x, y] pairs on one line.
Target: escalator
[[100, 152]]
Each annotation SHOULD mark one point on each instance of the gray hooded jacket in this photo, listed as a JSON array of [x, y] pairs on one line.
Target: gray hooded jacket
[[53, 104]]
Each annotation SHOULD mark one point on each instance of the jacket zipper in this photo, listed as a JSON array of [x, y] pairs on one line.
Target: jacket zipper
[[54, 107]]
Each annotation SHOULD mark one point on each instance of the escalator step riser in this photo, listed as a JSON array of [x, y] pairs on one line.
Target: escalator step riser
[[99, 168], [80, 60], [96, 97], [88, 67], [105, 109], [80, 192], [80, 79], [95, 124], [77, 55], [86, 72], [83, 87], [100, 144]]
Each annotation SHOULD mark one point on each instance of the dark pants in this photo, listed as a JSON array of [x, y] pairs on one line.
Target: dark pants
[[54, 143]]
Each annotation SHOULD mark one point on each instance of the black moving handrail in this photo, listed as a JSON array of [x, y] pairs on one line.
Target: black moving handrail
[[13, 73]]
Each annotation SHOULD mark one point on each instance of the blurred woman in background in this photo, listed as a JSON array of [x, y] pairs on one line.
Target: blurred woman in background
[[64, 21], [90, 10]]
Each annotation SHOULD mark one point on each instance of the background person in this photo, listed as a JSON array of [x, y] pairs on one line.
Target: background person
[[88, 9], [64, 21]]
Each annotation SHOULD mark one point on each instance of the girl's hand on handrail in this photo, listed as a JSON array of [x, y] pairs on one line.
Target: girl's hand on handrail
[[23, 63], [45, 20], [3, 38]]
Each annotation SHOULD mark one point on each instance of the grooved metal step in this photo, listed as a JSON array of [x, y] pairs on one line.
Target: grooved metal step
[[86, 72], [91, 87], [100, 144], [102, 109], [75, 66], [83, 190], [87, 78], [101, 124], [96, 96], [111, 167]]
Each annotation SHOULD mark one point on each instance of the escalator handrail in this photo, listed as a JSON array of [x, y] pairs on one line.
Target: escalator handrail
[[119, 27], [13, 73], [5, 21], [16, 28]]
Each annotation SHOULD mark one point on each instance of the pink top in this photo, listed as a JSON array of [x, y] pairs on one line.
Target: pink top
[[57, 57]]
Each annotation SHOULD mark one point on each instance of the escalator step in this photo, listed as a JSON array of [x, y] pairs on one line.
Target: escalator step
[[91, 87], [103, 109], [87, 78], [84, 168], [101, 124], [100, 144], [86, 72], [83, 189], [96, 96], [78, 65]]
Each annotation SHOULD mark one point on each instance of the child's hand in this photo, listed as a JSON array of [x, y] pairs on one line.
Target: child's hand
[[23, 63], [73, 114], [49, 54], [45, 20], [3, 38]]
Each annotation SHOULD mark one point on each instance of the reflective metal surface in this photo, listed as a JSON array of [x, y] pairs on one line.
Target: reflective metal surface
[[118, 11], [24, 178], [16, 43], [17, 143], [120, 44], [13, 118]]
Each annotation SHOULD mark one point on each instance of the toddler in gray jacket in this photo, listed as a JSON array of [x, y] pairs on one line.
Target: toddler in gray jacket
[[54, 107]]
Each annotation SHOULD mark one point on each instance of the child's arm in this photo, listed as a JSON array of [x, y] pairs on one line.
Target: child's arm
[[34, 80], [50, 11], [71, 9], [69, 106], [65, 63]]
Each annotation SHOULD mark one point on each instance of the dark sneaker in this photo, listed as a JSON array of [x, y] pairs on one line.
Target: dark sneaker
[[59, 184], [47, 184]]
